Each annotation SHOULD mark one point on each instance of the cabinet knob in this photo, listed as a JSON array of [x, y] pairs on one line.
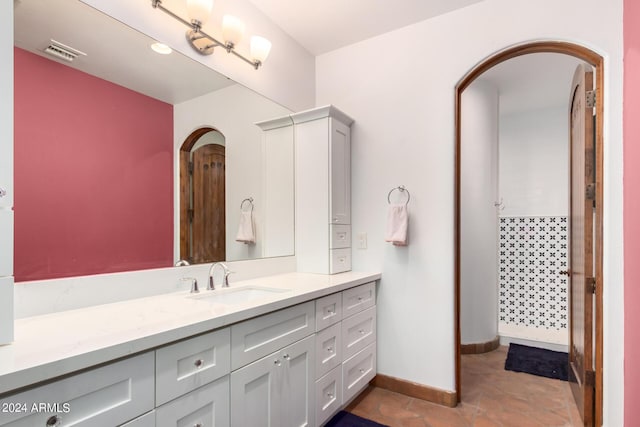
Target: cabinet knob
[[361, 331], [330, 395], [277, 362], [197, 425], [362, 371], [53, 421], [3, 192], [330, 349], [198, 363], [359, 299], [286, 356]]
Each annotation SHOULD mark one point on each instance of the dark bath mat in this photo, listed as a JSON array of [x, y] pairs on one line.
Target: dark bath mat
[[537, 361], [347, 419]]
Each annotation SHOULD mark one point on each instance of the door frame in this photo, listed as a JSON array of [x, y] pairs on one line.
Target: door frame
[[185, 190], [597, 61]]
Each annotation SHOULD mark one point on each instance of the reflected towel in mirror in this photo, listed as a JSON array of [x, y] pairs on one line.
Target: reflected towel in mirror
[[246, 228], [397, 225]]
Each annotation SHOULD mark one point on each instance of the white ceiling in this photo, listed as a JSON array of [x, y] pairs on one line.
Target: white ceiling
[[115, 52], [535, 81], [322, 26]]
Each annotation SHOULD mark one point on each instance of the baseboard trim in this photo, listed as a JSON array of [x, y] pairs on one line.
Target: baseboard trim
[[482, 347], [419, 391]]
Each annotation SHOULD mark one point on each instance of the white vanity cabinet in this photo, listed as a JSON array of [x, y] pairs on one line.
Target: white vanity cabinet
[[323, 190], [6, 173]]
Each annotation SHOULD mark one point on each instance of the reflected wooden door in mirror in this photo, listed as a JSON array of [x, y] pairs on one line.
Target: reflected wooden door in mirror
[[208, 206]]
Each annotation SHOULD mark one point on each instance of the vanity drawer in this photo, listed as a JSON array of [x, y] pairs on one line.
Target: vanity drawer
[[328, 310], [358, 331], [340, 236], [189, 364], [357, 372], [102, 397], [358, 298], [328, 395], [339, 260], [328, 349], [207, 406], [257, 337]]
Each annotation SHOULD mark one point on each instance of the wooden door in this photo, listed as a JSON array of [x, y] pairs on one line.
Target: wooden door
[[208, 206], [581, 246]]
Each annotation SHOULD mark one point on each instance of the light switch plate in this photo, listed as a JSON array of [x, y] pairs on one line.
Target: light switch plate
[[362, 240]]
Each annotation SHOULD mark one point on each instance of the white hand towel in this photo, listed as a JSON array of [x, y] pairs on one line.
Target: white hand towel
[[397, 225], [246, 229]]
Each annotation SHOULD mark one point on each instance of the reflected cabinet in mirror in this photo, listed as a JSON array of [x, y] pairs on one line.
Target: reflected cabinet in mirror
[[126, 159]]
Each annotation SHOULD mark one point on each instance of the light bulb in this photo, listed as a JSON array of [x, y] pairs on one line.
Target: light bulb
[[232, 29], [260, 48], [199, 10]]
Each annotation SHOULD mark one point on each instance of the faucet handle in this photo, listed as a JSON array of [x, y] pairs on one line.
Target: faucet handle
[[194, 284], [210, 284], [225, 281]]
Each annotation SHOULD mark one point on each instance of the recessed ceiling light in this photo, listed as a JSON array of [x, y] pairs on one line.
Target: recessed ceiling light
[[161, 48]]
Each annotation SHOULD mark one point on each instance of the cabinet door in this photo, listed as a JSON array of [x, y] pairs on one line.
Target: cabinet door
[[340, 176], [6, 310], [255, 393], [6, 105], [298, 384], [207, 406], [6, 242]]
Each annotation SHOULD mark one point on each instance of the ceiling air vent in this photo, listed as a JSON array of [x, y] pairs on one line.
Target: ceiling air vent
[[63, 51]]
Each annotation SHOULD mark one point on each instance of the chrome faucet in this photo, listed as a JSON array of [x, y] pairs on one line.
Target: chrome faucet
[[225, 280]]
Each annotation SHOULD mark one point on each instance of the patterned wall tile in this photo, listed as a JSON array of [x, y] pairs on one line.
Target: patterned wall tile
[[533, 250]]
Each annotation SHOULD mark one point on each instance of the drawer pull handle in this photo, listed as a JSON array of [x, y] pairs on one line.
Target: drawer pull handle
[[198, 363], [331, 312], [197, 425], [53, 421], [286, 356], [361, 331], [342, 259], [277, 362]]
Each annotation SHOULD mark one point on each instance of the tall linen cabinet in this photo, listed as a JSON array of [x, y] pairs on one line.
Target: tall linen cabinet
[[6, 173], [323, 190]]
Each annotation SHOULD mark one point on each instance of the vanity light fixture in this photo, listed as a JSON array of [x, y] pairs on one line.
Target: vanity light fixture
[[232, 32]]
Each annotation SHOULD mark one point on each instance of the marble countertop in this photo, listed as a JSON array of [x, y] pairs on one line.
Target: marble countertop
[[56, 344]]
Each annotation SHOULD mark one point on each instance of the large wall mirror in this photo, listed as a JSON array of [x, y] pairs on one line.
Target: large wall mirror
[[101, 126]]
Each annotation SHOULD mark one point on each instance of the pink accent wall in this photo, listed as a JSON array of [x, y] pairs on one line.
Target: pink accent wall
[[93, 174], [631, 212]]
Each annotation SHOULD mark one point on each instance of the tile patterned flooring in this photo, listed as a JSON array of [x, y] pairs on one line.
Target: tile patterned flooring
[[491, 396]]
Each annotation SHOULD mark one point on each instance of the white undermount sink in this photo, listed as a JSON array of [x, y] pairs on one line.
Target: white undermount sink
[[235, 296]]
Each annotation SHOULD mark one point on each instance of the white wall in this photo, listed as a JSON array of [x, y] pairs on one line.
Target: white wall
[[232, 111], [478, 219], [399, 88], [534, 162], [287, 76]]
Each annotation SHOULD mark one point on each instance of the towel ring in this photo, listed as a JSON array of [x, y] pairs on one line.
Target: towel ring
[[250, 200], [401, 189]]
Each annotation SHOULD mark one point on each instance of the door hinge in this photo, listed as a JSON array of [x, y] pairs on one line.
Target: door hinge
[[590, 378], [590, 192], [190, 168], [590, 283], [591, 98]]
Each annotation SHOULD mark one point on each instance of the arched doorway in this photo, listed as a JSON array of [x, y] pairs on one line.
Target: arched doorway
[[202, 197], [597, 62]]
